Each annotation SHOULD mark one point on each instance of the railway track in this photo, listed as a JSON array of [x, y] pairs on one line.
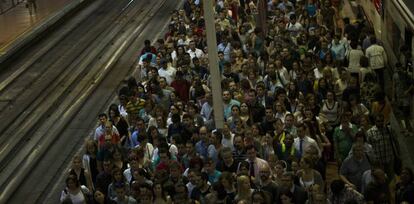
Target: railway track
[[52, 88]]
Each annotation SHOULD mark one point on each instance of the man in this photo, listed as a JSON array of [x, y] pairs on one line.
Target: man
[[377, 59], [257, 110], [255, 164], [354, 166], [382, 141], [193, 51], [202, 145], [105, 177], [228, 102], [343, 137], [239, 152], [303, 141], [299, 193], [139, 129], [268, 120], [268, 185], [202, 187], [286, 151], [134, 105], [212, 172], [207, 107], [227, 163], [228, 136], [101, 129], [121, 195], [166, 71], [262, 96], [290, 124]]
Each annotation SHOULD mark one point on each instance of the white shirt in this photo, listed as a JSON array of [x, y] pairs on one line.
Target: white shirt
[[168, 73], [196, 53], [307, 141], [377, 56], [228, 142]]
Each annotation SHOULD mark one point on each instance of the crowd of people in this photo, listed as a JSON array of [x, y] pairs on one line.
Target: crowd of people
[[301, 87]]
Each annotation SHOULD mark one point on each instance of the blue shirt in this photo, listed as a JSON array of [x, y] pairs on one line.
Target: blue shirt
[[201, 149]]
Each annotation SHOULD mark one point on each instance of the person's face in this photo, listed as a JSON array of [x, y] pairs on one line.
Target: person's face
[[107, 165], [279, 169], [258, 199], [118, 176], [251, 154], [358, 152], [77, 164], [379, 122], [238, 142], [289, 121], [287, 181], [163, 157], [285, 199], [103, 120], [308, 114], [244, 108], [71, 184], [228, 159], [303, 164], [203, 134], [99, 196], [174, 172], [158, 189], [235, 111], [288, 140], [302, 132], [269, 114], [260, 91], [232, 86], [405, 176], [226, 96], [294, 166], [163, 83], [330, 96], [173, 110], [140, 125]]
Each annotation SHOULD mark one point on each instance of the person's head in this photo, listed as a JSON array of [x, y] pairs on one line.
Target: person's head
[[243, 183], [286, 196], [337, 187], [251, 152], [226, 96], [303, 130], [107, 165], [103, 118], [358, 151], [407, 175], [99, 196], [289, 120], [287, 179], [203, 133], [238, 142], [280, 167], [379, 120], [77, 162], [227, 156], [259, 197], [307, 162], [72, 182], [117, 175]]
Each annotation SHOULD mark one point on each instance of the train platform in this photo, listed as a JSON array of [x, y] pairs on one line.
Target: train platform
[[18, 26]]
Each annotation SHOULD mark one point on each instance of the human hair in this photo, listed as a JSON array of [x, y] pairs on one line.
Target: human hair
[[288, 193], [73, 178]]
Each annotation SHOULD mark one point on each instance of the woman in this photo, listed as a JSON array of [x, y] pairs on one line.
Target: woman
[[245, 114], [160, 196], [280, 111], [119, 158], [278, 170], [119, 122], [100, 198], [307, 175], [405, 188], [331, 110], [117, 177], [266, 147], [358, 110], [244, 190], [74, 192], [81, 174], [235, 116], [89, 160]]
